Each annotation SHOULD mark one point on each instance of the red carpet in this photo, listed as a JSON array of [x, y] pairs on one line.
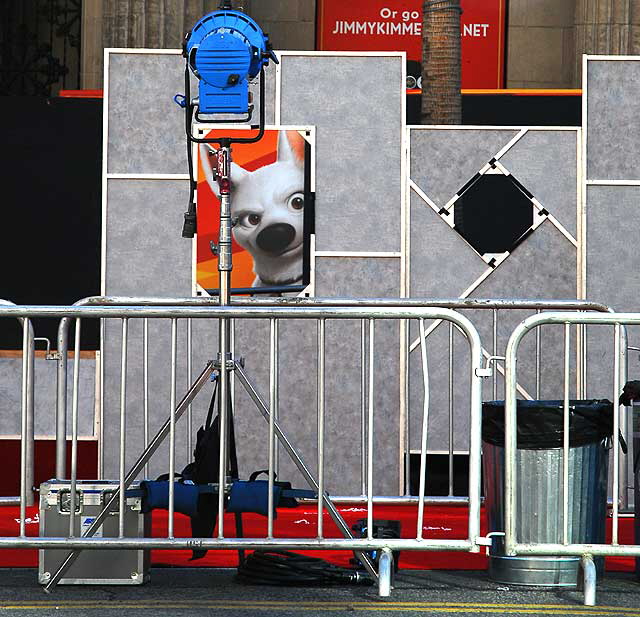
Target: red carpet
[[440, 522]]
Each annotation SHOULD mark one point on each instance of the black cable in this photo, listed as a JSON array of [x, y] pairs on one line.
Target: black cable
[[285, 568], [189, 227]]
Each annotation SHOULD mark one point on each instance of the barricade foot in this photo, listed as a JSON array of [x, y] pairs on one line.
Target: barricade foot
[[589, 578], [385, 573]]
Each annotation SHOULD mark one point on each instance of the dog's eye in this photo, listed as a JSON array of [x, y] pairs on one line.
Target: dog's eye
[[296, 201], [254, 219]]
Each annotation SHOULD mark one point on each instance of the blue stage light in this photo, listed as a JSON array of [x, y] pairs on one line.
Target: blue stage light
[[225, 50]]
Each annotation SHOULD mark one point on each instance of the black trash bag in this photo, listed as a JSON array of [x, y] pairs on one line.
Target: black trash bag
[[540, 424], [630, 393]]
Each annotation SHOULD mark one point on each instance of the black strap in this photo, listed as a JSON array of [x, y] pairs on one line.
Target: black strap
[[212, 405]]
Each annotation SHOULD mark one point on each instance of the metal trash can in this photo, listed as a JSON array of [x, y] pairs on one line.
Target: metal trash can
[[539, 503]]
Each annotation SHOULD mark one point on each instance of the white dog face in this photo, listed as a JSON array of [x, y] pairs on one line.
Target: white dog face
[[267, 206]]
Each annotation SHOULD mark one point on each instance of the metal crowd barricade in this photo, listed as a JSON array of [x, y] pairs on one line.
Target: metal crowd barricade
[[585, 551], [491, 354], [370, 315]]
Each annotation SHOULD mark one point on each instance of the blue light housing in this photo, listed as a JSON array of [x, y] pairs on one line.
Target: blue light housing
[[225, 50]]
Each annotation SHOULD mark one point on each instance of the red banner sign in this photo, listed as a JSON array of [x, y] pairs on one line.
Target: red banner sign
[[396, 25]]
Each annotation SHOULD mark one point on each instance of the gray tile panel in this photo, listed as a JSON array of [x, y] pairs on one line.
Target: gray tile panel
[[444, 160], [545, 163], [146, 254], [443, 264], [613, 133], [612, 274]]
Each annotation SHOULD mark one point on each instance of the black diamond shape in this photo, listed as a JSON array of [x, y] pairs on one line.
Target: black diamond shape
[[493, 213]]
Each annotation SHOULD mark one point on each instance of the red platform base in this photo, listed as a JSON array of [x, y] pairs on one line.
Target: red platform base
[[439, 522]]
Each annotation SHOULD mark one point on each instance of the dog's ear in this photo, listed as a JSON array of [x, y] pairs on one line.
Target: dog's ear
[[208, 158], [291, 147]]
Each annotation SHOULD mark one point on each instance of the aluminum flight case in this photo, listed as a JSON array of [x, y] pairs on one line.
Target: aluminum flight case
[[93, 567]]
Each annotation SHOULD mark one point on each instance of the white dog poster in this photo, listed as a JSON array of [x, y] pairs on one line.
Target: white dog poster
[[271, 210]]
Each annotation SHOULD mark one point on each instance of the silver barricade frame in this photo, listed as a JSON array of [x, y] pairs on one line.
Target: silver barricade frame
[[585, 551], [368, 313]]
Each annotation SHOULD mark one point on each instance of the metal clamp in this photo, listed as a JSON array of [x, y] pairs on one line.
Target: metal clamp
[[487, 371]]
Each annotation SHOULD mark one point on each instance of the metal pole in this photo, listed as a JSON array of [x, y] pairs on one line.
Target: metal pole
[[425, 426], [495, 352], [538, 346], [74, 431], [145, 386], [224, 276], [565, 437], [61, 399], [321, 369], [123, 424], [189, 381], [133, 473], [451, 395], [23, 427], [172, 425], [616, 435], [370, 434], [273, 395]]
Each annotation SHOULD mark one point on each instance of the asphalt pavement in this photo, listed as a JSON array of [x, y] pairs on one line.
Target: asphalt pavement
[[197, 591]]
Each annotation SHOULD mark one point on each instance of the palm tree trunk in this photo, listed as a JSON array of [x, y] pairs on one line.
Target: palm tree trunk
[[441, 62]]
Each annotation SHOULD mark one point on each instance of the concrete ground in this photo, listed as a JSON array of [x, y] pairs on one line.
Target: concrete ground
[[192, 591]]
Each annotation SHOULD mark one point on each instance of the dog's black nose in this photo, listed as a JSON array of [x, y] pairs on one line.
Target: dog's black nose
[[276, 238]]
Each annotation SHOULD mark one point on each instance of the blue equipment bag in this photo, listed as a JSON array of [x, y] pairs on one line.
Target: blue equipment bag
[[253, 495]]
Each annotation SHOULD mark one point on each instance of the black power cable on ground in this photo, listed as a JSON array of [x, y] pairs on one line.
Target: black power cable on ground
[[284, 568]]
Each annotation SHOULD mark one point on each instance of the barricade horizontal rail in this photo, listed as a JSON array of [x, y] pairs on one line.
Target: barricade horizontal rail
[[320, 314], [512, 544]]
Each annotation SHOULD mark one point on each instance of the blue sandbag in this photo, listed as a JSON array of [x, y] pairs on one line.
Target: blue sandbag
[[156, 495], [253, 496]]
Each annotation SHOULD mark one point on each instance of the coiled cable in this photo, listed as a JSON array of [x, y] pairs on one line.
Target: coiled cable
[[284, 568]]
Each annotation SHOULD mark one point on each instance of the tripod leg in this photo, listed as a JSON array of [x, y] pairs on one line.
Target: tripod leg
[[263, 408], [198, 384]]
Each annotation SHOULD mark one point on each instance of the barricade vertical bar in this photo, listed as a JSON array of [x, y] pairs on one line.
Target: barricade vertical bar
[[451, 394], [61, 399], [321, 368], [273, 369], [276, 407], [223, 404], [189, 381], [495, 352], [363, 406], [425, 426], [565, 436], [145, 386], [538, 345], [475, 432], [101, 427], [622, 372], [616, 435], [172, 425], [123, 428], [370, 434], [31, 439], [74, 430], [26, 324]]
